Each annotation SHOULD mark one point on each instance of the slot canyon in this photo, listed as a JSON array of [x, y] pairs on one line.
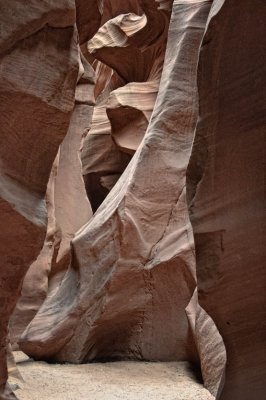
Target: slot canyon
[[132, 199]]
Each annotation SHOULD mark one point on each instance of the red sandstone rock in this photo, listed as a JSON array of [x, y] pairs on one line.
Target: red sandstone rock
[[135, 289], [68, 211], [38, 54], [125, 91], [226, 182], [133, 266]]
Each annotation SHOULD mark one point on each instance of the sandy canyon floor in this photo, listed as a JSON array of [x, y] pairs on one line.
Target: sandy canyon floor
[[108, 381]]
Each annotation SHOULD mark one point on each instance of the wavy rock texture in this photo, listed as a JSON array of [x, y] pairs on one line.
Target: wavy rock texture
[[125, 293], [68, 206], [34, 120], [226, 181], [125, 91], [171, 265], [68, 211], [35, 283]]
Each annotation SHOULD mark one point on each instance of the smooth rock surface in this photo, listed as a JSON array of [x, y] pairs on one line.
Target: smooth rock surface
[[135, 32], [133, 266], [34, 118], [226, 185], [68, 210], [171, 266]]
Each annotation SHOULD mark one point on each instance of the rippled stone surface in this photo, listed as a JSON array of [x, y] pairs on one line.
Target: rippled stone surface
[[163, 113]]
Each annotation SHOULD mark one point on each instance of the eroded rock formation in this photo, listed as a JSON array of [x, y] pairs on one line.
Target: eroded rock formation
[[68, 211], [125, 90], [39, 55], [171, 265], [130, 302], [226, 178]]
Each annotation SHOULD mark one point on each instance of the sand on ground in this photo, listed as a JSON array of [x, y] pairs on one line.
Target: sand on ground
[[127, 380]]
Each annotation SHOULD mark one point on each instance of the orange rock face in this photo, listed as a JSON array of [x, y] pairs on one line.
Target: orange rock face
[[156, 123]]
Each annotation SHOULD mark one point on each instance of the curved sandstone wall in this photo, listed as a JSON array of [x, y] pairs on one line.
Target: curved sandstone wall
[[38, 55], [133, 270], [226, 178], [152, 119]]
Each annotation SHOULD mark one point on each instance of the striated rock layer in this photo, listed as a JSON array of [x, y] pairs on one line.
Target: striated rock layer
[[34, 120], [68, 210], [171, 265], [132, 271], [125, 91], [119, 122], [226, 182]]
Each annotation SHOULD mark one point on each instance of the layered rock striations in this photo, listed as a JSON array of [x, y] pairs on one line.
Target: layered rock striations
[[68, 210], [124, 300], [171, 264], [125, 294], [39, 67], [127, 53], [226, 182]]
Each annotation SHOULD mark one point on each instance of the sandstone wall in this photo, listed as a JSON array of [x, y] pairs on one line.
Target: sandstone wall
[[38, 55], [226, 181], [125, 294], [171, 264]]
